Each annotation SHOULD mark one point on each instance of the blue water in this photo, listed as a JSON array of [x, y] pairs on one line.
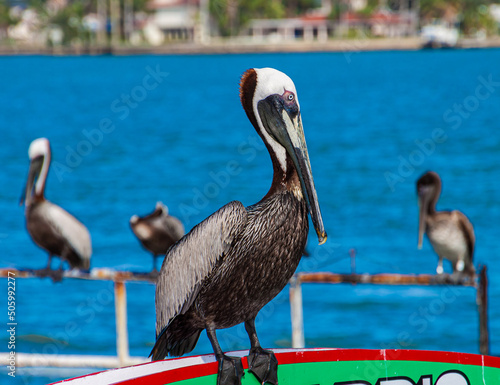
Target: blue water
[[374, 122]]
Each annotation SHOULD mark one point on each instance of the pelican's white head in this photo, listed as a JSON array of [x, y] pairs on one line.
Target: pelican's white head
[[271, 82], [162, 207], [39, 147]]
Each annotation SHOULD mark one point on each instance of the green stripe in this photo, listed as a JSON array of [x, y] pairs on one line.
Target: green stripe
[[329, 373]]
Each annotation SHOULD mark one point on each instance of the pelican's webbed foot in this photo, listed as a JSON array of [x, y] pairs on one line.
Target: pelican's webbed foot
[[264, 365], [230, 371]]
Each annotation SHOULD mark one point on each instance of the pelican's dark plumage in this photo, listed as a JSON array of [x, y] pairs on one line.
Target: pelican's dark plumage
[[157, 231], [450, 232], [51, 227], [238, 259]]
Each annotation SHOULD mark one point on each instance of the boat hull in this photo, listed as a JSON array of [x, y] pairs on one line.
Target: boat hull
[[319, 366]]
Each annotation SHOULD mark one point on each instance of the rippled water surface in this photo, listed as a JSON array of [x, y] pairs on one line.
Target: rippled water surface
[[129, 131]]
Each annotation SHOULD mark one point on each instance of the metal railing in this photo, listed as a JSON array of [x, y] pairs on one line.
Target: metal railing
[[122, 357], [119, 278], [479, 282]]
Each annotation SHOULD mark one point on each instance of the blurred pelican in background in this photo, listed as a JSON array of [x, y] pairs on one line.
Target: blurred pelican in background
[[450, 232], [157, 231], [50, 226]]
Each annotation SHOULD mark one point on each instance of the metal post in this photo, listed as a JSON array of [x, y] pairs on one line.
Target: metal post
[[121, 322], [297, 316], [482, 301]]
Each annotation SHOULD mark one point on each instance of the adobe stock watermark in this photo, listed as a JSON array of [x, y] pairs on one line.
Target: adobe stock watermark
[[454, 118], [219, 180], [120, 108]]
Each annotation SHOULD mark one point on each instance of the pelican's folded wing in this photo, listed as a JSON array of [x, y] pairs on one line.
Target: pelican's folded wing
[[71, 229], [468, 231], [192, 259]]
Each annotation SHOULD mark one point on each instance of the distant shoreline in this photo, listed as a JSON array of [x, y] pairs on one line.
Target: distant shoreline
[[242, 47]]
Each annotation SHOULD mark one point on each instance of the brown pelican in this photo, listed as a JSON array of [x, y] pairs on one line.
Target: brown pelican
[[450, 232], [157, 231], [51, 227], [234, 262]]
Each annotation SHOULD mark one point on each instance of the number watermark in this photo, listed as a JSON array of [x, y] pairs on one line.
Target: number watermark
[[11, 324]]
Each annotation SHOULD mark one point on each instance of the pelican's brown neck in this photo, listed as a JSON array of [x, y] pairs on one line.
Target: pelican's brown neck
[[436, 192], [429, 190], [431, 209]]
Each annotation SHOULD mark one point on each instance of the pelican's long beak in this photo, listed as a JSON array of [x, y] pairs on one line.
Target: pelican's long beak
[[287, 129], [423, 203], [33, 173]]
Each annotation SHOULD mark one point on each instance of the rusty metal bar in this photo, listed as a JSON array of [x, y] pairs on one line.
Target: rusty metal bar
[[397, 279], [101, 274], [387, 279], [482, 302]]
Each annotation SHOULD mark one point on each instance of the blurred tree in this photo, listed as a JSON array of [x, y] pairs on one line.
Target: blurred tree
[[476, 17], [69, 20], [371, 7], [439, 9], [299, 7], [5, 18], [338, 8], [472, 15], [141, 6]]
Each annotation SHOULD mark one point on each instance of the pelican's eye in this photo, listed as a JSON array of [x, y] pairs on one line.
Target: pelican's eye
[[290, 103], [288, 97]]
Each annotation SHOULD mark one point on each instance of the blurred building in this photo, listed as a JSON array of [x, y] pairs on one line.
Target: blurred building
[[27, 29], [382, 23], [314, 25], [307, 28], [176, 19], [318, 25]]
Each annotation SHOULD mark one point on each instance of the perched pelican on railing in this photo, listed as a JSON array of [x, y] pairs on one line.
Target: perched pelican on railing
[[450, 232], [157, 231], [51, 227], [238, 259]]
